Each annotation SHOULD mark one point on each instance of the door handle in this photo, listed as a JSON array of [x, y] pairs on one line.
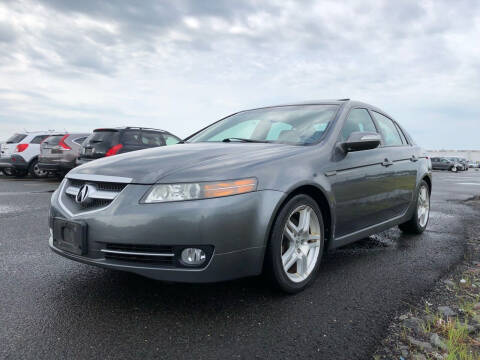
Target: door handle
[[413, 158], [387, 163]]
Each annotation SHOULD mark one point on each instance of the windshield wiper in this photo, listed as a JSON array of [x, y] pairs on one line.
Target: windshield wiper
[[244, 140]]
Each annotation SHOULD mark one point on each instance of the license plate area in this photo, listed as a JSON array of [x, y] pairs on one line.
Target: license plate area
[[70, 236]]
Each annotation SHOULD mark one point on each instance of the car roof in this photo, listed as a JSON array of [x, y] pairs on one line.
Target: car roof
[[130, 127], [324, 102]]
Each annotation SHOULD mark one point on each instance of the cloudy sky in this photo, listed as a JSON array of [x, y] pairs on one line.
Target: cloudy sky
[[180, 65]]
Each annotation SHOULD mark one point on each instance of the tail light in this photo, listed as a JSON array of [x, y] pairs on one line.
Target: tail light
[[114, 150], [62, 143], [21, 147]]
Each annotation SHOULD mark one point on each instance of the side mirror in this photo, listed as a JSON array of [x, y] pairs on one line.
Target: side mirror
[[360, 140]]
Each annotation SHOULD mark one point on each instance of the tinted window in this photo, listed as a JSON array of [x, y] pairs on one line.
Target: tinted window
[[284, 124], [79, 140], [53, 140], [131, 137], [388, 129], [170, 139], [38, 139], [16, 138], [151, 138], [358, 120], [102, 136]]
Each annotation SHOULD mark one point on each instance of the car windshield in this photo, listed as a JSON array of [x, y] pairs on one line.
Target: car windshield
[[14, 139], [297, 125]]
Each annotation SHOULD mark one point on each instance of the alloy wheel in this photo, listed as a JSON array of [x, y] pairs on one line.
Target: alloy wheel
[[300, 243], [38, 172], [423, 211]]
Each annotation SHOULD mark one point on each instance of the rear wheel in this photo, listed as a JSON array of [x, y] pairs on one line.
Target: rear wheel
[[296, 244], [35, 171], [418, 223]]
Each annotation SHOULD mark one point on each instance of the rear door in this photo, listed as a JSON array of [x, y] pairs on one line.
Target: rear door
[[401, 160], [99, 142]]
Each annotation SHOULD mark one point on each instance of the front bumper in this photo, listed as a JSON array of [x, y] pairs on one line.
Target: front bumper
[[237, 227]]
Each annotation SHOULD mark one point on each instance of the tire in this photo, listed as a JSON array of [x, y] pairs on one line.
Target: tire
[[9, 172], [300, 249], [419, 221], [35, 171]]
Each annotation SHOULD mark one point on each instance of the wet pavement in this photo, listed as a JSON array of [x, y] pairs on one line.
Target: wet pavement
[[51, 307]]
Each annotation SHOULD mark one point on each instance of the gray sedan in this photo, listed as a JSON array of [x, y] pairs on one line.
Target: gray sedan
[[264, 190]]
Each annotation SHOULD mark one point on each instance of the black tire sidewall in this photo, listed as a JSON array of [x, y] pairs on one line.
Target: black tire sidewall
[[274, 246]]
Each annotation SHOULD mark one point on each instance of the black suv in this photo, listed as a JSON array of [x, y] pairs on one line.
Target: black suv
[[113, 141]]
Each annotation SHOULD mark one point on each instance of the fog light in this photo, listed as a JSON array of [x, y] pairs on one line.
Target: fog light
[[192, 256]]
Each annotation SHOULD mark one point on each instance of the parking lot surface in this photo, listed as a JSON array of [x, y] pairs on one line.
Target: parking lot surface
[[51, 307]]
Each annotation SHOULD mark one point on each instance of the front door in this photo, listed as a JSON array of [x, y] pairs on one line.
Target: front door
[[359, 182]]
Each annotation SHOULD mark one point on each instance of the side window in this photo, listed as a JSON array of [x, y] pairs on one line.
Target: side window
[[79, 140], [277, 129], [170, 139], [131, 137], [358, 120], [152, 138], [402, 135], [38, 139], [388, 129]]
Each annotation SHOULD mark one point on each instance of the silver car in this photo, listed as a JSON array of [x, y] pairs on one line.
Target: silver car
[[59, 152], [261, 190]]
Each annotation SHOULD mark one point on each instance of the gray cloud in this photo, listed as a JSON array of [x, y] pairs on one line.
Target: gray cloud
[[191, 61]]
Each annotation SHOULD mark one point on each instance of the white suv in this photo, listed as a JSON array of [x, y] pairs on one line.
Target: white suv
[[19, 154]]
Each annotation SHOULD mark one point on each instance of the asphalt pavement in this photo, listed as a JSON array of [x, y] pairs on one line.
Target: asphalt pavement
[[54, 308]]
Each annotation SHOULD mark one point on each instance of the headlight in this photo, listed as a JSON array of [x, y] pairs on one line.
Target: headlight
[[196, 191]]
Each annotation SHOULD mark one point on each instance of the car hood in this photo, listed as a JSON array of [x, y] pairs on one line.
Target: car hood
[[188, 162]]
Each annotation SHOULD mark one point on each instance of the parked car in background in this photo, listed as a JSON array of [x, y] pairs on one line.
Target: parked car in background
[[59, 152], [440, 163], [19, 154], [473, 164], [265, 189], [113, 141], [462, 164], [1, 142]]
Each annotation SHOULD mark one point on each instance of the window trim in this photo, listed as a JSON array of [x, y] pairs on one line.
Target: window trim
[[339, 137], [394, 124]]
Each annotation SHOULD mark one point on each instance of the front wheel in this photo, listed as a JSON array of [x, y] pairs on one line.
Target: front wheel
[[296, 244], [418, 223]]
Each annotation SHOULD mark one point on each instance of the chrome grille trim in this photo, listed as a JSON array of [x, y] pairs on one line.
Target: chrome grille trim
[[101, 199], [134, 253], [99, 194], [100, 178]]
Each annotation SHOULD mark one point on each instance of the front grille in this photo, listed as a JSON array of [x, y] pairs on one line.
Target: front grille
[[145, 254], [101, 194], [100, 185]]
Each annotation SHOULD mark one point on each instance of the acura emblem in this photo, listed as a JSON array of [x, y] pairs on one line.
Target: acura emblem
[[82, 195]]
